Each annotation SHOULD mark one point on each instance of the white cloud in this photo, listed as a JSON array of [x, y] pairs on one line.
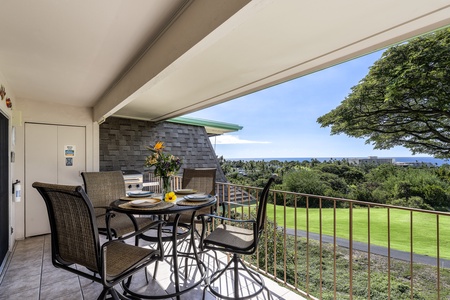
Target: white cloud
[[233, 139]]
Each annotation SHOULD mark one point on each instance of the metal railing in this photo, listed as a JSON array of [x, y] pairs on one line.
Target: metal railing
[[324, 247], [305, 244]]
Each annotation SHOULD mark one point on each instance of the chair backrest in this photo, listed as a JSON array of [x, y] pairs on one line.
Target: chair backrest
[[103, 188], [262, 205], [203, 180], [73, 228]]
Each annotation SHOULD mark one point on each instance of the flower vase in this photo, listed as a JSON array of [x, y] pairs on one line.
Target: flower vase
[[166, 186]]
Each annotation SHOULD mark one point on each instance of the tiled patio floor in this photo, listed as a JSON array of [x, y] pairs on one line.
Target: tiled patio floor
[[30, 275]]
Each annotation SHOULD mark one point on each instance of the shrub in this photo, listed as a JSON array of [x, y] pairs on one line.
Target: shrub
[[304, 181], [413, 202]]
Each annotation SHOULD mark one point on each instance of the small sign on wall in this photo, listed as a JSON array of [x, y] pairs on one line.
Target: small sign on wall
[[69, 150], [69, 161], [69, 153]]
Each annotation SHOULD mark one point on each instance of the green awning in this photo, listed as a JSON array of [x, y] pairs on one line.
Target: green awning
[[212, 127]]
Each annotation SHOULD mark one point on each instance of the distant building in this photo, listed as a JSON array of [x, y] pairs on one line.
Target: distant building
[[373, 160], [414, 164]]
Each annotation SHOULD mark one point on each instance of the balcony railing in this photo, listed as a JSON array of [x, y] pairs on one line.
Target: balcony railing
[[334, 248]]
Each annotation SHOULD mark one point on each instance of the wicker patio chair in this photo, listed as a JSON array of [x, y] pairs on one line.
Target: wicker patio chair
[[203, 180], [75, 240], [103, 188], [237, 240]]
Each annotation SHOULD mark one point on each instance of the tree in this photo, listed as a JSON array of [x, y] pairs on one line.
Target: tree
[[404, 100]]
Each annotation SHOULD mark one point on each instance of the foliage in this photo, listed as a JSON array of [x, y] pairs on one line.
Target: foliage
[[422, 186], [166, 165], [274, 252], [403, 100], [298, 260], [403, 183], [413, 202], [304, 181]]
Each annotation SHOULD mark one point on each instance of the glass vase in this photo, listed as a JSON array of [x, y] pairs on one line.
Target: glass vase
[[166, 186]]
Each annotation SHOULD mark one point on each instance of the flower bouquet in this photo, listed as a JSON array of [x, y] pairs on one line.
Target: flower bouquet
[[166, 165]]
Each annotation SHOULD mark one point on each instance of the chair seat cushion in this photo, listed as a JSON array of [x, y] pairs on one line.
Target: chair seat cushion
[[230, 237], [121, 224], [121, 257]]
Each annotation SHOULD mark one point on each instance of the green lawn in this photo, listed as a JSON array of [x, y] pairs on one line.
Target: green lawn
[[424, 227]]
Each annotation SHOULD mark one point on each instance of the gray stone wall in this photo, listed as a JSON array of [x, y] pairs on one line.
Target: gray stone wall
[[124, 145]]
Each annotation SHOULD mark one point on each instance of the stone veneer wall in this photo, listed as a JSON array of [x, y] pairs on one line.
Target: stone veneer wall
[[124, 145]]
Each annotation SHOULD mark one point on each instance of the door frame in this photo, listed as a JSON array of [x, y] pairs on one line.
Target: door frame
[[6, 180], [34, 211]]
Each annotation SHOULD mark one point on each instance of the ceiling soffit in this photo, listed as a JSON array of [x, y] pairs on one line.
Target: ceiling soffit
[[198, 19], [70, 52], [269, 42]]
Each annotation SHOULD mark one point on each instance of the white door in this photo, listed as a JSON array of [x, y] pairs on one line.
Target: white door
[[53, 154]]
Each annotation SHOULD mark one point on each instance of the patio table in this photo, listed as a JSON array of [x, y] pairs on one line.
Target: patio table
[[171, 208]]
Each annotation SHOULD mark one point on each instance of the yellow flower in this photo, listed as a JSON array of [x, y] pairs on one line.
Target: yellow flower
[[165, 165], [153, 160], [159, 146], [171, 197]]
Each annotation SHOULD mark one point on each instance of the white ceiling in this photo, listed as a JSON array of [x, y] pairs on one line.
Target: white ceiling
[[160, 59]]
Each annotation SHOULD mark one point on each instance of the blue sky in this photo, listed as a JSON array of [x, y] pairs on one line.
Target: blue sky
[[281, 121]]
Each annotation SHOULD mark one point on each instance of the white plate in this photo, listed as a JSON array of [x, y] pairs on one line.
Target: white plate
[[145, 203], [198, 197], [139, 194]]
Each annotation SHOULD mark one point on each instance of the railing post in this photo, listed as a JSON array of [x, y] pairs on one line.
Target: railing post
[[411, 254], [438, 258], [368, 252], [320, 249], [389, 250], [334, 250], [350, 249], [322, 219]]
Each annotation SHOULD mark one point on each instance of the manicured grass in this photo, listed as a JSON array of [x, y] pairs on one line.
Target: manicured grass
[[424, 227]]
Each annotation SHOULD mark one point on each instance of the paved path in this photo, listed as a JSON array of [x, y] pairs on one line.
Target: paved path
[[396, 254]]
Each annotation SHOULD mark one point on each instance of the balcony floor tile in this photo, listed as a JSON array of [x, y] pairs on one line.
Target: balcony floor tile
[[30, 275]]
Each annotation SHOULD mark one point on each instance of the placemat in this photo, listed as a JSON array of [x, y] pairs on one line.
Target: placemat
[[193, 203], [138, 198], [162, 205]]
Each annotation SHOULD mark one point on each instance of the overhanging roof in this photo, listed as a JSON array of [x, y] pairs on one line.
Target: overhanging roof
[[212, 128], [160, 59]]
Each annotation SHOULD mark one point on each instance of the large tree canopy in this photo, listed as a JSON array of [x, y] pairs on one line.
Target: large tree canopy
[[404, 100]]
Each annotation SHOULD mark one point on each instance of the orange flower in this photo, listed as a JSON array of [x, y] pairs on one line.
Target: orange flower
[[166, 165], [159, 146]]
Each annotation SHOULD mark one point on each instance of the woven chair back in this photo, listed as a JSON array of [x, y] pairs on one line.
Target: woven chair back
[[73, 229], [203, 180], [262, 206], [103, 188]]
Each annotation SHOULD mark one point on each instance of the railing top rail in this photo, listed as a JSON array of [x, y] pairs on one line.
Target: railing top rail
[[357, 202]]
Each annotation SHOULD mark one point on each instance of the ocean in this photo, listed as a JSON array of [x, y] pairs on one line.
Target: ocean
[[430, 160]]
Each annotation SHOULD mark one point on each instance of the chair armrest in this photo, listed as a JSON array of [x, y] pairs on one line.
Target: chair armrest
[[203, 217], [103, 206], [224, 218], [110, 213], [222, 204], [157, 224]]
